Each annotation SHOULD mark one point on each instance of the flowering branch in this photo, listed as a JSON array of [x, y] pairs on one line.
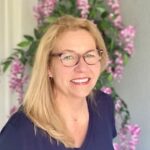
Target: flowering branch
[[44, 9], [119, 40], [17, 78], [129, 137], [83, 6]]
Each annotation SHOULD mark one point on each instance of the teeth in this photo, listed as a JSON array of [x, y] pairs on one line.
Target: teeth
[[80, 80]]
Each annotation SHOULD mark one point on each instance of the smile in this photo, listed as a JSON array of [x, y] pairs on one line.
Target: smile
[[81, 81]]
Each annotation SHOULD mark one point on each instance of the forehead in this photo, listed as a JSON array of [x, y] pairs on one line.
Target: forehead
[[77, 40]]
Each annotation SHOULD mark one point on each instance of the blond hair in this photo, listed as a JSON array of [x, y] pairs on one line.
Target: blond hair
[[39, 103]]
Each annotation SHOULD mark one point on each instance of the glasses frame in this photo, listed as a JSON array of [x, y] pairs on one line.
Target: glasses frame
[[100, 52]]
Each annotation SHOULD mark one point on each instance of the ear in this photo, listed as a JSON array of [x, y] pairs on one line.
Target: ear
[[50, 73]]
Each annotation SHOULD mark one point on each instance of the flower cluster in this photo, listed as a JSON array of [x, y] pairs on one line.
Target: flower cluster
[[44, 9], [115, 15], [118, 105], [127, 35], [84, 7], [119, 41], [17, 78], [106, 90], [128, 136], [117, 71], [125, 40]]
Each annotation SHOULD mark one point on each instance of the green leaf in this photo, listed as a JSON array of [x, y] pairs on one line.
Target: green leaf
[[126, 59], [23, 59], [101, 9], [32, 49], [110, 77], [112, 44], [5, 65], [24, 44], [29, 38], [37, 33], [105, 25], [20, 51], [51, 19]]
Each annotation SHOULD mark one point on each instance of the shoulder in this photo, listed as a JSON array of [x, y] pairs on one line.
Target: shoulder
[[105, 107], [15, 131], [102, 98], [102, 103], [18, 121]]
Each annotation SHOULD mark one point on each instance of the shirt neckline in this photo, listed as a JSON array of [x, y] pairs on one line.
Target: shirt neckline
[[89, 130]]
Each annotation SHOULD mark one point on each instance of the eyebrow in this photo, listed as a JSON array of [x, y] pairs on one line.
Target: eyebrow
[[68, 50]]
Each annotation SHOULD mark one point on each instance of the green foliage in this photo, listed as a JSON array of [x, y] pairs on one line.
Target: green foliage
[[26, 49]]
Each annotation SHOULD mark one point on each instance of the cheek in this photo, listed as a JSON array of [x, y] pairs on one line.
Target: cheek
[[60, 74], [96, 70]]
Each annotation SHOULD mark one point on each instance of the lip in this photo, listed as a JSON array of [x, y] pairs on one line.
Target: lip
[[81, 81]]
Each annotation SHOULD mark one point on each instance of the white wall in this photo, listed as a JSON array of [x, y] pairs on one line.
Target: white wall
[[135, 85], [16, 20]]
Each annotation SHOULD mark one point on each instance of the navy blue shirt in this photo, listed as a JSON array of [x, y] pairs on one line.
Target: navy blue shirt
[[19, 132]]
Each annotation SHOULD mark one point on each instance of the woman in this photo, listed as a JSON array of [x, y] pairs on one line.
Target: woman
[[61, 110]]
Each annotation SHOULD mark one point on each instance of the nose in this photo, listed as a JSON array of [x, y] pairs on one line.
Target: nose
[[82, 66]]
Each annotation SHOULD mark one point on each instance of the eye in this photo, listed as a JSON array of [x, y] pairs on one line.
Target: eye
[[90, 54], [67, 56]]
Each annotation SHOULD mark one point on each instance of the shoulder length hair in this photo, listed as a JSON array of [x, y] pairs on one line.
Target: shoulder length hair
[[39, 102]]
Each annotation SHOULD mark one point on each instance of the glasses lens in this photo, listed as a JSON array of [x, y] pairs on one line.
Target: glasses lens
[[92, 57], [69, 59]]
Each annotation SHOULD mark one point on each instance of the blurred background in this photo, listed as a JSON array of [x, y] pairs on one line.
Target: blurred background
[[16, 19]]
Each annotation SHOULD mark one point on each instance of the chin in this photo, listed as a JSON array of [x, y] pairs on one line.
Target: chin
[[81, 93]]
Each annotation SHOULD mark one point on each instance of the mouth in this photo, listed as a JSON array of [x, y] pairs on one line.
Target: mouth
[[81, 81]]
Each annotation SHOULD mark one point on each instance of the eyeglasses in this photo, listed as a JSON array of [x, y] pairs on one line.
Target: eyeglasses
[[69, 58]]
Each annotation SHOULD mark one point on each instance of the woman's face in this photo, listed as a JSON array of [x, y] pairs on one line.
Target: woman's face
[[74, 81]]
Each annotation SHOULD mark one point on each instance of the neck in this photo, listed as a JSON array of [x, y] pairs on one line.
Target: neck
[[72, 109], [75, 114]]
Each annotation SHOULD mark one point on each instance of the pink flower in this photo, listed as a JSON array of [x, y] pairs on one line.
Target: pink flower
[[106, 90], [115, 14], [116, 66], [116, 146], [118, 105], [114, 4], [128, 137], [16, 74], [118, 21], [119, 60], [128, 32], [84, 7], [17, 78], [44, 9], [118, 72], [129, 48], [127, 36]]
